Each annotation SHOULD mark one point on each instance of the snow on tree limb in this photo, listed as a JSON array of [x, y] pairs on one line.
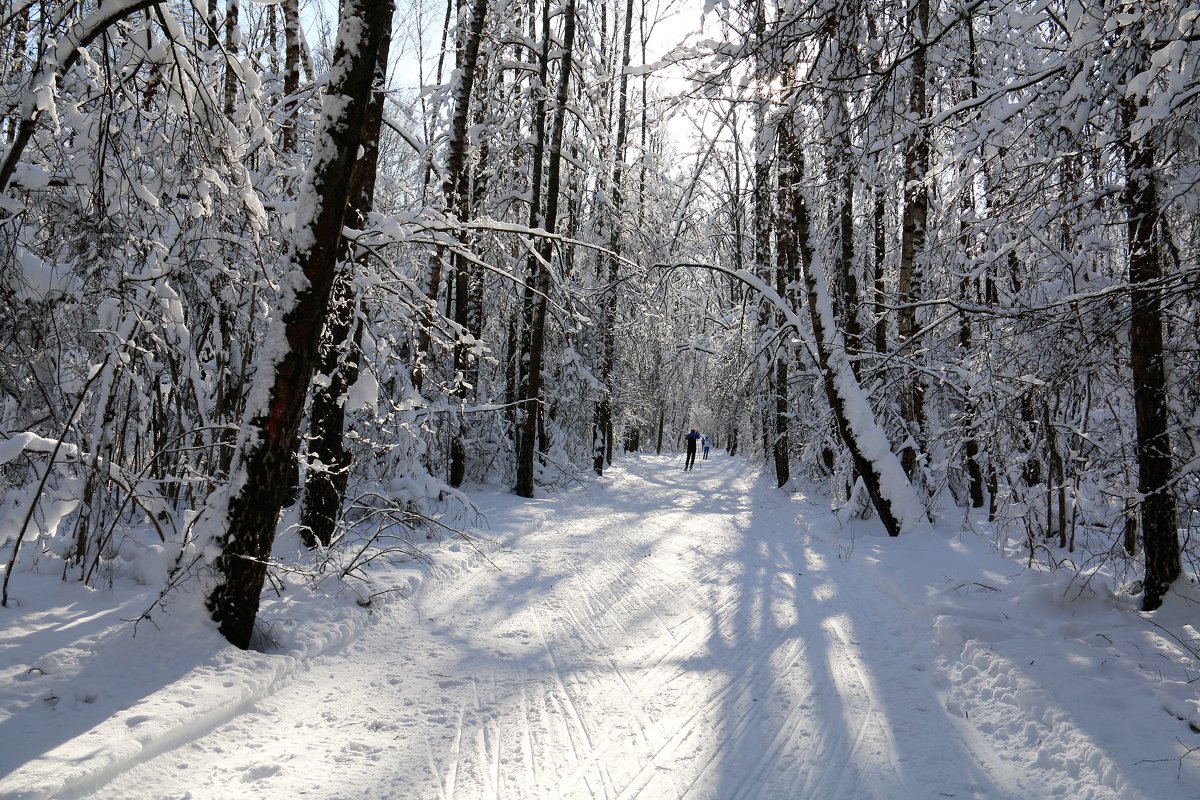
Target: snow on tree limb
[[39, 97]]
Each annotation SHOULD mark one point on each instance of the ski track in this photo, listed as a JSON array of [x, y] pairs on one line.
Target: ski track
[[643, 645]]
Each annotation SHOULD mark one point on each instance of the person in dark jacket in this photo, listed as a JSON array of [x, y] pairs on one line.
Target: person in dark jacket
[[692, 438]]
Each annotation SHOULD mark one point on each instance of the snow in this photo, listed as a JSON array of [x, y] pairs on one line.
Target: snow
[[869, 437], [364, 394], [12, 447], [40, 281], [650, 634]]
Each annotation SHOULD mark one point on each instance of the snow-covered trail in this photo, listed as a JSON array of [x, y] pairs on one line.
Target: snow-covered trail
[[667, 635]]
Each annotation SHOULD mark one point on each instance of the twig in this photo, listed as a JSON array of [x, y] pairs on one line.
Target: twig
[[1182, 643], [1187, 752], [33, 503]]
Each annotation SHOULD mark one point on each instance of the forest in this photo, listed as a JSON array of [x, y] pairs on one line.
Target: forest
[[937, 257]]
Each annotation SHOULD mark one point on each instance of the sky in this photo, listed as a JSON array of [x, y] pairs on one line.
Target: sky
[[650, 634], [676, 21]]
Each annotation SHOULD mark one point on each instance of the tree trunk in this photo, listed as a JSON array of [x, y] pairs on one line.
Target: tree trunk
[[603, 427], [467, 304], [453, 185], [537, 285], [841, 175], [232, 41], [882, 474], [530, 385], [879, 231], [246, 526], [338, 357], [971, 450], [912, 242], [13, 62], [329, 461], [787, 264], [291, 72], [1159, 525]]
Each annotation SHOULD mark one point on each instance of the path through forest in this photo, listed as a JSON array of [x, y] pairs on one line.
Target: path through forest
[[659, 635]]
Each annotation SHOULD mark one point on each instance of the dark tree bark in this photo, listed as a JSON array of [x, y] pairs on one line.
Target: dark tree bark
[[291, 71], [878, 232], [259, 479], [529, 389], [453, 184], [972, 456], [468, 305], [842, 173], [1159, 524], [912, 237], [787, 277], [602, 434], [338, 356], [232, 14], [329, 460], [848, 280], [879, 238], [537, 283], [291, 86]]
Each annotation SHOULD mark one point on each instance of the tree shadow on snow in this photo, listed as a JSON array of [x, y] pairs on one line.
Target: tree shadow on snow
[[814, 697]]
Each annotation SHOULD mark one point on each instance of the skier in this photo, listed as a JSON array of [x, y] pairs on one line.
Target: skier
[[690, 461], [707, 443]]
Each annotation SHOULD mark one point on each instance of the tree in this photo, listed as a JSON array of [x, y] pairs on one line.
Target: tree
[[602, 435], [537, 281], [914, 222], [245, 525], [1160, 528], [337, 359], [62, 57]]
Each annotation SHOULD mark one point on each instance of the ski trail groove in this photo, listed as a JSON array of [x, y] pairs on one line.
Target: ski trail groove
[[648, 637]]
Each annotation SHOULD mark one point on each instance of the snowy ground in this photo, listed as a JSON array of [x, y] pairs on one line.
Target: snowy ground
[[654, 635]]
